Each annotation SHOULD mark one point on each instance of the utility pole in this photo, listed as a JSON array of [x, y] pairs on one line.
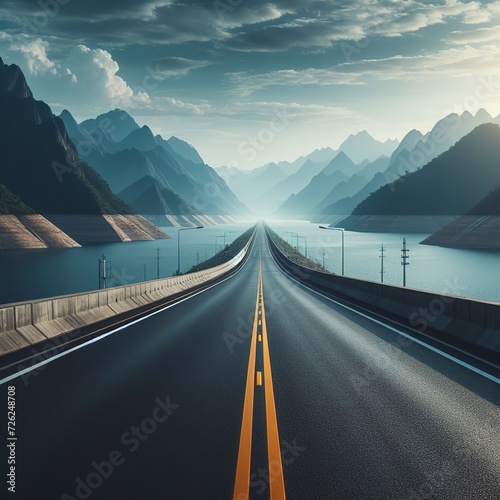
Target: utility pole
[[103, 271], [382, 250], [404, 260]]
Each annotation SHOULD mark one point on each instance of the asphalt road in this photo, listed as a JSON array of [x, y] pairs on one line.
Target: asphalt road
[[197, 401]]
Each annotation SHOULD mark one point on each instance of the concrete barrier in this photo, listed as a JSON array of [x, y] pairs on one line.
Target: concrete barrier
[[473, 325], [27, 323]]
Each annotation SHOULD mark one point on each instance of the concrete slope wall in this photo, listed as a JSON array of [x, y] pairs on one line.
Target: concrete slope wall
[[26, 323], [473, 325]]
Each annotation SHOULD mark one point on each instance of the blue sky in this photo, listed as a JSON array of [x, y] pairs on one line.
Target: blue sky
[[247, 81]]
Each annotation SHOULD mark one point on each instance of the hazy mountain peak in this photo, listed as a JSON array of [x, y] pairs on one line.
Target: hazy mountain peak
[[184, 149], [141, 139], [483, 115], [363, 135], [362, 146], [116, 124], [67, 117], [341, 156]]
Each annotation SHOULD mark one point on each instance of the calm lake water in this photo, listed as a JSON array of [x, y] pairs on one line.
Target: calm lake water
[[32, 274], [467, 273]]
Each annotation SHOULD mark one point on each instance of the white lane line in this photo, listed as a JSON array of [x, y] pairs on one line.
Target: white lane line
[[100, 337], [395, 330]]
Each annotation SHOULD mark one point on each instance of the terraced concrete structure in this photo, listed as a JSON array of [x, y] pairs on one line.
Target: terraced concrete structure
[[31, 231], [469, 231]]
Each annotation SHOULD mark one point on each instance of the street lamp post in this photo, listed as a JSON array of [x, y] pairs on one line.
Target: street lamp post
[[305, 243], [227, 232], [342, 230], [179, 245], [292, 233], [216, 242]]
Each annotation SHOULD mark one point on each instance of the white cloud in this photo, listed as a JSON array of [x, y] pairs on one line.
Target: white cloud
[[33, 52], [176, 67], [357, 19], [245, 84], [450, 63], [96, 73], [180, 107], [457, 62], [82, 76], [480, 35]]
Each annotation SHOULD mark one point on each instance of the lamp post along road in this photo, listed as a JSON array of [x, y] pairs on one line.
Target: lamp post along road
[[179, 245], [343, 247], [216, 243], [227, 232], [305, 244]]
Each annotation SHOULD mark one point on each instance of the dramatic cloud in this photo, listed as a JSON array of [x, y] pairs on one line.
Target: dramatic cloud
[[245, 84], [220, 69], [82, 76], [32, 50]]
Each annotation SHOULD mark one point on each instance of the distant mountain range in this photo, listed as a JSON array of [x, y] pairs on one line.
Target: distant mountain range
[[40, 164], [279, 191], [414, 151], [362, 146], [129, 156], [451, 184], [148, 196]]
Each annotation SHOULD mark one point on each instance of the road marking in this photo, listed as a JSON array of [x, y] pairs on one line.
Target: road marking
[[276, 481], [275, 466], [242, 480]]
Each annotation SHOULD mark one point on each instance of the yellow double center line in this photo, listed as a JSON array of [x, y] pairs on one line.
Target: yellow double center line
[[242, 481]]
